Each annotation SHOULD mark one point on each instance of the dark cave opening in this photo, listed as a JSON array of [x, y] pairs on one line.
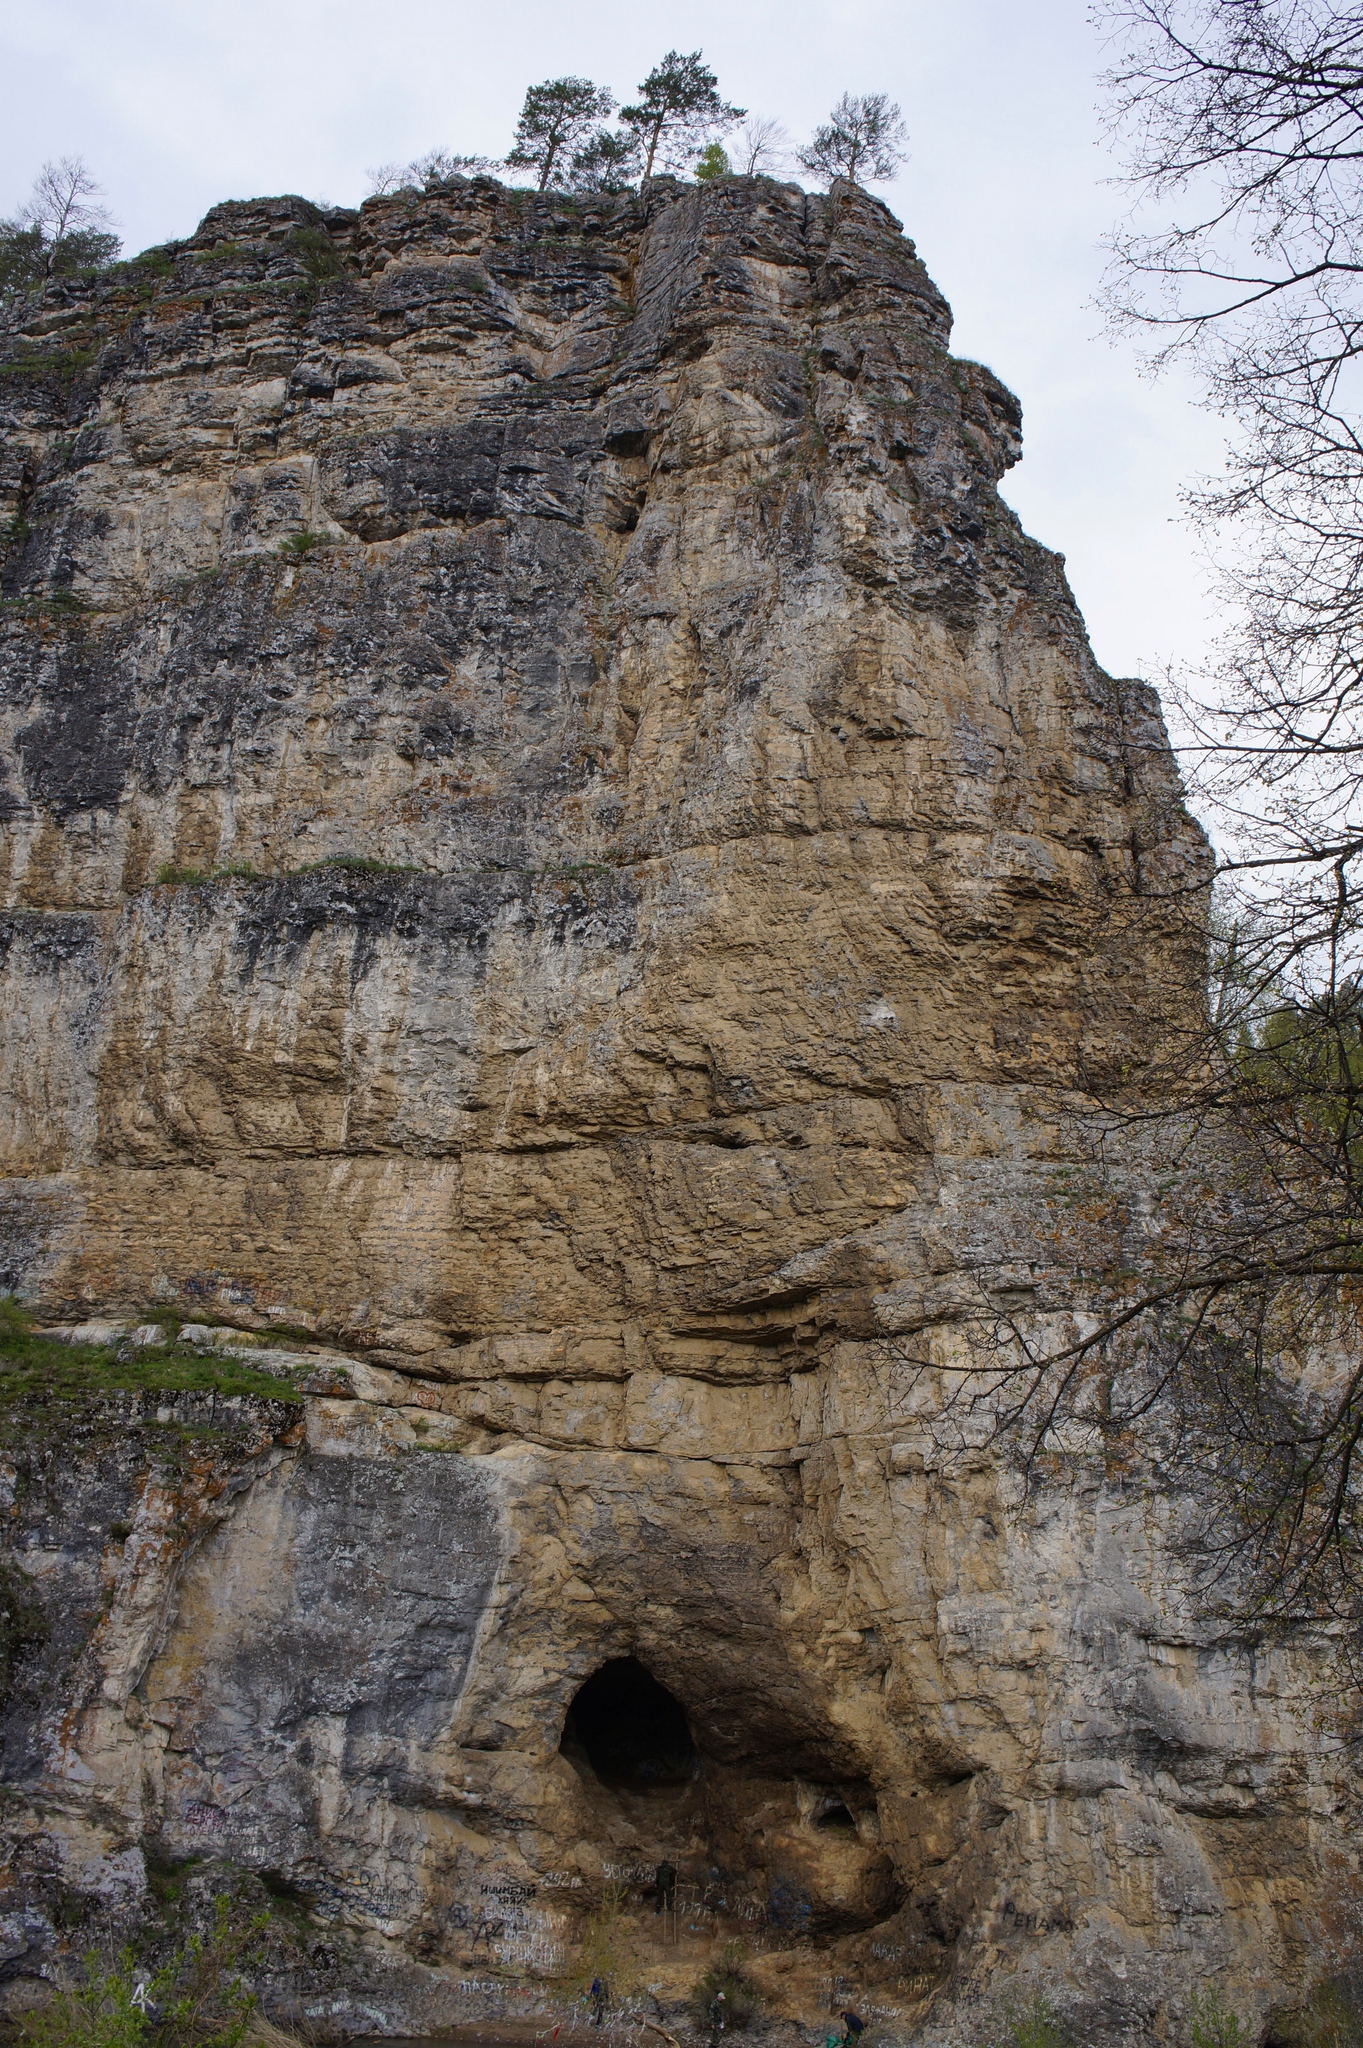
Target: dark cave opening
[[631, 1730], [835, 1814]]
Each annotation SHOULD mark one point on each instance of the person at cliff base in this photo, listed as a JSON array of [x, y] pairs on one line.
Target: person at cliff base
[[598, 1996], [855, 2029], [664, 1886]]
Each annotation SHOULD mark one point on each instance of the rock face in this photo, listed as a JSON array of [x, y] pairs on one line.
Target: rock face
[[669, 849]]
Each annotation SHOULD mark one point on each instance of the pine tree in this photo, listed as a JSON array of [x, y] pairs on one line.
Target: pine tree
[[555, 121], [678, 112]]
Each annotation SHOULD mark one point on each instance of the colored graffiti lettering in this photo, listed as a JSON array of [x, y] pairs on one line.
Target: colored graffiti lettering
[[208, 1820], [534, 1952], [356, 1891]]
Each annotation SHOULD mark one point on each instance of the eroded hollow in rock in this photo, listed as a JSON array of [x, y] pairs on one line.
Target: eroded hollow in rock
[[834, 1813], [630, 1730], [801, 1847]]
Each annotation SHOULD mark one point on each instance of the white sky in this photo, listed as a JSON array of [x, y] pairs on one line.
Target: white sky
[[179, 103]]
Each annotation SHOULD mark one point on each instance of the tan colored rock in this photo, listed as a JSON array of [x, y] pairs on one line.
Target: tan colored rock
[[756, 855]]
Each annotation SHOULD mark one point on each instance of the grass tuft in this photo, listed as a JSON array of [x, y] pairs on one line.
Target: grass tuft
[[304, 543]]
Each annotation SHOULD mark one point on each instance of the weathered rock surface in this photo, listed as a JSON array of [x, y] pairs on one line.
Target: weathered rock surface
[[755, 854]]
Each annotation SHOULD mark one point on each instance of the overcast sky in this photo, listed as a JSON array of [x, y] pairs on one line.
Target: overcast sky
[[176, 106]]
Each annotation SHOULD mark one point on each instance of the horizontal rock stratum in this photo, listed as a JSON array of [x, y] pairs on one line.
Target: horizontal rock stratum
[[560, 839]]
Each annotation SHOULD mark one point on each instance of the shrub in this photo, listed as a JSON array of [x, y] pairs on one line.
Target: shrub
[[318, 258], [98, 2013], [62, 606], [726, 1995], [197, 1999], [304, 543], [1213, 2024], [152, 263], [1035, 2024]]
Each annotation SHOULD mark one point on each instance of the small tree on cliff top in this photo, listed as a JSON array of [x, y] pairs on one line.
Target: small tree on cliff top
[[556, 119], [679, 111], [761, 146], [73, 225], [863, 140], [61, 228]]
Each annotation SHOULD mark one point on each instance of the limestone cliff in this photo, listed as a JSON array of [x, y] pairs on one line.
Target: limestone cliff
[[560, 839]]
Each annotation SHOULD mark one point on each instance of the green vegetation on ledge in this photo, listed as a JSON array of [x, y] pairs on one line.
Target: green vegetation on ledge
[[170, 875], [33, 1364], [299, 544]]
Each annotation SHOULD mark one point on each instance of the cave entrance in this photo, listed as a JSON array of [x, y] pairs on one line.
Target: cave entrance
[[835, 1814], [630, 1730]]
